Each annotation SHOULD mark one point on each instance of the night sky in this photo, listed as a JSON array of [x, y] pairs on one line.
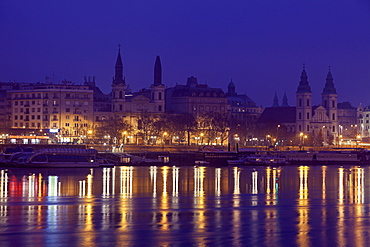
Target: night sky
[[261, 45]]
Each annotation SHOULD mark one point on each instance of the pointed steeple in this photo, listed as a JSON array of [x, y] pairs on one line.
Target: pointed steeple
[[276, 101], [329, 85], [157, 72], [285, 101], [118, 76], [303, 84]]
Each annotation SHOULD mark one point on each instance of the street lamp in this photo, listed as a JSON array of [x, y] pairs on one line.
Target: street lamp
[[340, 140], [358, 140], [164, 136], [268, 141], [124, 136], [305, 137], [300, 138]]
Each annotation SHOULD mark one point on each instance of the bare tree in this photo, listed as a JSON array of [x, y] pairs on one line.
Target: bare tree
[[113, 128], [147, 126], [215, 125]]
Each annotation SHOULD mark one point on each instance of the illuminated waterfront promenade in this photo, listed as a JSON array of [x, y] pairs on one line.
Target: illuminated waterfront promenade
[[160, 206]]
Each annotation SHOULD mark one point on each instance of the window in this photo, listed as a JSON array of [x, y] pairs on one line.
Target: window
[[299, 115], [300, 102], [85, 117], [308, 128], [160, 96], [67, 116], [201, 109], [308, 115], [160, 108], [308, 102], [67, 124], [333, 117], [68, 109], [333, 104]]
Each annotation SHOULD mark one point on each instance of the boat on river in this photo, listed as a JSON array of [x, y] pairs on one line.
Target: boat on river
[[260, 160], [59, 157], [328, 157]]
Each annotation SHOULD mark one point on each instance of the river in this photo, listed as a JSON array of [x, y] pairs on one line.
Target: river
[[186, 206]]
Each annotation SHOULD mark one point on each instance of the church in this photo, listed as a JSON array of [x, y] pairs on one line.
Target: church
[[305, 120]]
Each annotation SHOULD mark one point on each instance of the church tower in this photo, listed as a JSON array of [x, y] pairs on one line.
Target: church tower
[[118, 86], [275, 102], [304, 104], [231, 89], [157, 88], [285, 101], [329, 98]]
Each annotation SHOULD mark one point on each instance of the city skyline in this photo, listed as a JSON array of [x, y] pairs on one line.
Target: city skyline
[[261, 46]]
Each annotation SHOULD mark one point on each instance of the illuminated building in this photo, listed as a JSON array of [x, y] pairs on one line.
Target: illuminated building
[[65, 109], [130, 106], [324, 123], [243, 110], [196, 99]]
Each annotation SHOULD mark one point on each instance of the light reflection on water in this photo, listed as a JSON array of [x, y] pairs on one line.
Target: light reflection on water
[[159, 206]]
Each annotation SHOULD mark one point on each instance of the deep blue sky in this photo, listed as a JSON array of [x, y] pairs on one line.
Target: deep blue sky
[[260, 44]]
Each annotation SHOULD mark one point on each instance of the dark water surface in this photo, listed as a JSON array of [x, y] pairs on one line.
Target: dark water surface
[[186, 206]]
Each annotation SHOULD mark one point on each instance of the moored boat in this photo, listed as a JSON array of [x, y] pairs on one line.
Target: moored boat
[[327, 157], [62, 157]]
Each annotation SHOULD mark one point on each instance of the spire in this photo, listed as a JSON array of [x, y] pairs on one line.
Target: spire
[[303, 84], [276, 101], [157, 72], [118, 77], [329, 85], [285, 101], [231, 88]]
